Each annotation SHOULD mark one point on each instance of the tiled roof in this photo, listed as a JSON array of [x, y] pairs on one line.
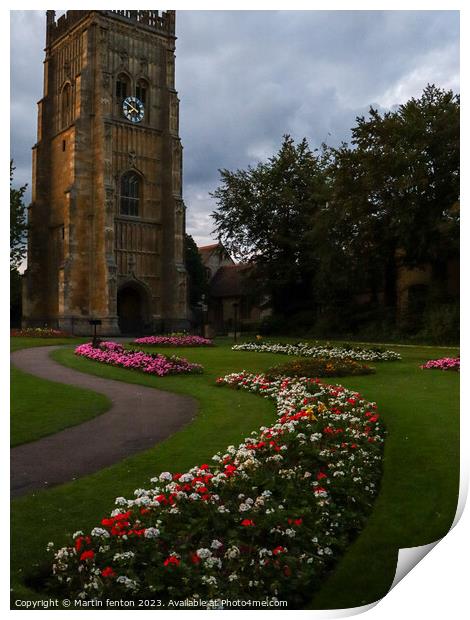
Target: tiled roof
[[208, 248], [230, 281]]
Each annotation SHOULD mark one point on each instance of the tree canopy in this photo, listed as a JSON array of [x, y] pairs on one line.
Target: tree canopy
[[323, 226], [196, 272], [18, 224]]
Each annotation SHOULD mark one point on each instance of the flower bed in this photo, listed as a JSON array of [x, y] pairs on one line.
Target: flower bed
[[152, 363], [306, 350], [268, 519], [445, 363], [38, 332], [319, 367], [175, 341]]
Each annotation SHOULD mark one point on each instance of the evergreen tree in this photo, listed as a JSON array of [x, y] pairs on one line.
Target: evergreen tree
[[196, 271]]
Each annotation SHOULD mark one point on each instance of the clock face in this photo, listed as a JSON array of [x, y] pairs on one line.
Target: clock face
[[133, 109]]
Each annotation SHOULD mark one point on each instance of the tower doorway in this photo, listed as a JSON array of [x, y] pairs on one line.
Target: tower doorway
[[131, 309]]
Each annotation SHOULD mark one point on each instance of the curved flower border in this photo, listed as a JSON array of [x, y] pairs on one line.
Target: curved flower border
[[266, 520], [115, 354], [306, 350]]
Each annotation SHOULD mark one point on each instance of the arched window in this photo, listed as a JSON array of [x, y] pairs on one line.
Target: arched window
[[66, 106], [123, 88], [141, 90], [130, 194]]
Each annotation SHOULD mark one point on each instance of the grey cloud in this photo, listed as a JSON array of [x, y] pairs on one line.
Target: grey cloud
[[246, 78]]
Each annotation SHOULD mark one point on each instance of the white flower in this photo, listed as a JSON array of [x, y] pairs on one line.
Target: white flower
[[204, 553], [124, 556], [216, 544], [100, 532], [211, 581], [152, 532], [130, 584], [232, 553], [165, 476]]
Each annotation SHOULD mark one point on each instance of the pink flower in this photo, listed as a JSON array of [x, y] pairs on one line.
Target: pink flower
[[116, 355]]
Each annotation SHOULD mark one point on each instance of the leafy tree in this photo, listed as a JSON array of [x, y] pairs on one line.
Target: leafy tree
[[263, 216], [18, 229], [393, 197], [323, 228], [196, 271], [18, 224], [403, 186]]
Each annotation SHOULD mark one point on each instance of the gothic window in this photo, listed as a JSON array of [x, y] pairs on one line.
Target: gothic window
[[122, 88], [130, 194], [141, 91], [66, 106]]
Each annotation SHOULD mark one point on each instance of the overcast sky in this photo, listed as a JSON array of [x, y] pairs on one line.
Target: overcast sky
[[246, 78]]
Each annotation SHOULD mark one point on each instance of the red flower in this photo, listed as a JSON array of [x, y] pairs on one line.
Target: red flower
[[247, 523], [195, 559], [87, 555], [108, 572], [229, 470], [321, 475], [171, 560], [204, 466], [278, 550]]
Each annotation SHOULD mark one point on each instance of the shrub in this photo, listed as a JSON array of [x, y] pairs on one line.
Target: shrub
[[320, 367], [442, 324], [267, 520]]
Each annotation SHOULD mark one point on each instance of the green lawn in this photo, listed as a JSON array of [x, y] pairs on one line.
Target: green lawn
[[39, 408], [421, 470], [17, 343]]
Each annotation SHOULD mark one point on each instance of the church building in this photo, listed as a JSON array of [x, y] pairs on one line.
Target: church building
[[107, 220]]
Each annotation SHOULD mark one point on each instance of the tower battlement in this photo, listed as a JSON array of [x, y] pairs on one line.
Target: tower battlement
[[162, 21]]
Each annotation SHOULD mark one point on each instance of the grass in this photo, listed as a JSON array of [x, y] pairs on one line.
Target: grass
[[19, 342], [419, 489], [39, 407]]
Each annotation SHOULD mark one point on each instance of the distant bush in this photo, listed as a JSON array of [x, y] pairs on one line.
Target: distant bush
[[318, 367], [442, 324]]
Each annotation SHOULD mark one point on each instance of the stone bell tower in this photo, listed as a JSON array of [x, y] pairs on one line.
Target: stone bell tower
[[107, 219]]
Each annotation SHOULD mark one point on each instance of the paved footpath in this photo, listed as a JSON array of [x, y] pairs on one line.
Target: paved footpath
[[139, 418]]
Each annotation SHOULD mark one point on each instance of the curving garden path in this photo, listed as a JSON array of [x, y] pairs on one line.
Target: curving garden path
[[139, 418]]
